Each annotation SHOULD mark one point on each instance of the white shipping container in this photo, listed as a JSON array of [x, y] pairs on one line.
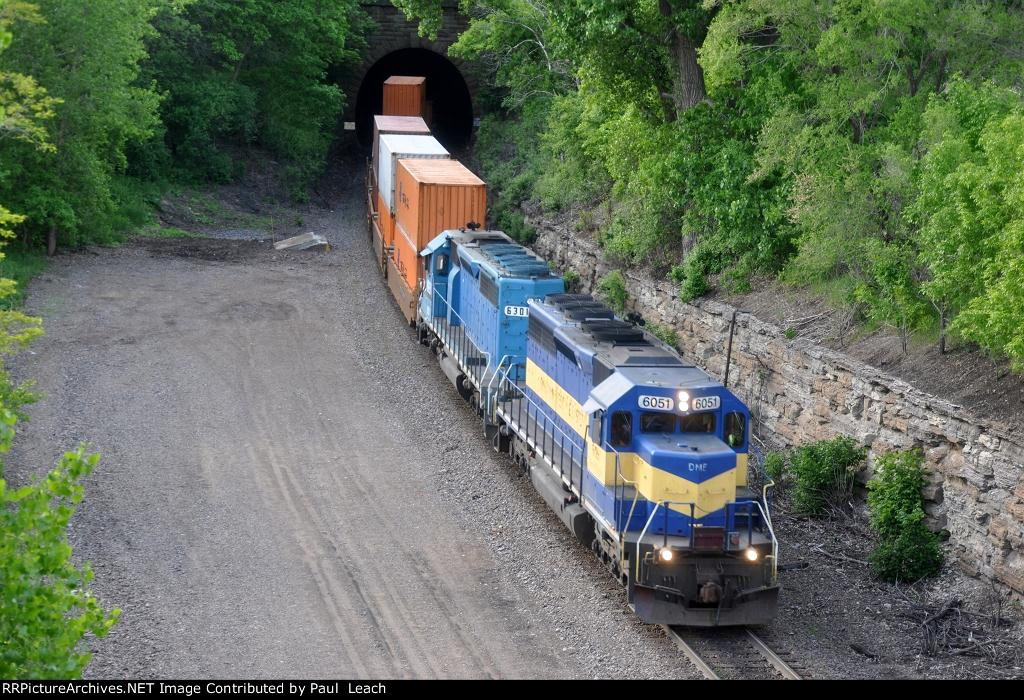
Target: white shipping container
[[396, 146]]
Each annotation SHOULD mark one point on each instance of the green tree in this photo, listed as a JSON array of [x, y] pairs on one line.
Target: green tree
[[514, 38], [645, 49], [85, 53], [46, 607], [821, 152], [237, 73], [970, 208], [848, 135], [24, 106]]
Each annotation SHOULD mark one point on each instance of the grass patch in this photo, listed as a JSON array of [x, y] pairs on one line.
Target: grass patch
[[21, 265], [208, 211], [161, 231], [665, 334]]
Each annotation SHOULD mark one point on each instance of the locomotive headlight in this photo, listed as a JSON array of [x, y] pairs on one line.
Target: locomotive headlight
[[684, 401], [665, 554], [751, 554]]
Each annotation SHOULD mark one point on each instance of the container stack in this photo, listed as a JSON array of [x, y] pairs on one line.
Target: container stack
[[392, 148], [415, 190], [430, 196], [384, 124]]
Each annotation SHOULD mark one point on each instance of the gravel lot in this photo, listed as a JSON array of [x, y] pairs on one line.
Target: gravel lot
[[290, 486]]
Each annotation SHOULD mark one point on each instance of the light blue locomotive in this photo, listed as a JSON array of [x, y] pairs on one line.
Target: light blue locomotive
[[642, 455], [474, 304]]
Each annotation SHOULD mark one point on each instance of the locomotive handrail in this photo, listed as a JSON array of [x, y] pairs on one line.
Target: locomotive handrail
[[771, 532], [533, 403], [494, 375], [774, 556], [563, 437], [632, 507], [764, 497], [650, 519], [446, 333]]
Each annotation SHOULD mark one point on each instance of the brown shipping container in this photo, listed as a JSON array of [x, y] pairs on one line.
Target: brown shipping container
[[404, 95], [387, 124], [431, 196]]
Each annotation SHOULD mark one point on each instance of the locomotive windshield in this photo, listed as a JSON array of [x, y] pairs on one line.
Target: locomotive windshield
[[654, 422], [651, 422], [698, 423], [735, 430]]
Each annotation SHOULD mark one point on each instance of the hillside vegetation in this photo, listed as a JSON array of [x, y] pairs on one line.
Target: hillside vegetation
[[113, 99], [872, 148]]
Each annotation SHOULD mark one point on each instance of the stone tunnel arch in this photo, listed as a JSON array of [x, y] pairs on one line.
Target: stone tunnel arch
[[395, 48], [447, 92]]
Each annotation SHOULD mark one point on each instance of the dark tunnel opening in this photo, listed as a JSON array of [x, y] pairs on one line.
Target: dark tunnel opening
[[447, 92]]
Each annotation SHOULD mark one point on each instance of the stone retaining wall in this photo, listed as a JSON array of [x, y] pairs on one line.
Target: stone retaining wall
[[800, 391]]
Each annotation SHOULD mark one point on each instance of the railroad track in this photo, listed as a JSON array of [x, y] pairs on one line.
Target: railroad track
[[731, 654]]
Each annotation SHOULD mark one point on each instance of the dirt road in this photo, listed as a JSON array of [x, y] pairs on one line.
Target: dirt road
[[288, 485]]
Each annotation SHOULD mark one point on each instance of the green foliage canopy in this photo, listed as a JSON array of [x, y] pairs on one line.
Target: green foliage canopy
[[249, 72], [970, 208], [841, 145], [85, 54]]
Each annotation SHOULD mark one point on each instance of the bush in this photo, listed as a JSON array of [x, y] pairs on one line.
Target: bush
[[571, 278], [775, 466], [46, 607], [665, 334], [823, 474], [906, 550], [612, 288]]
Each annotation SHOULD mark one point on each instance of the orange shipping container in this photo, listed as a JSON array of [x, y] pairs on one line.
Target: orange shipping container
[[404, 95], [385, 221], [431, 196]]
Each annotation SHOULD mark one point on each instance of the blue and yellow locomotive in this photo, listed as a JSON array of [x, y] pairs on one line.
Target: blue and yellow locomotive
[[642, 456]]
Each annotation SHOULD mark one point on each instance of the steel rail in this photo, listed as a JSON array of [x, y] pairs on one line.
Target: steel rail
[[692, 655], [776, 661]]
